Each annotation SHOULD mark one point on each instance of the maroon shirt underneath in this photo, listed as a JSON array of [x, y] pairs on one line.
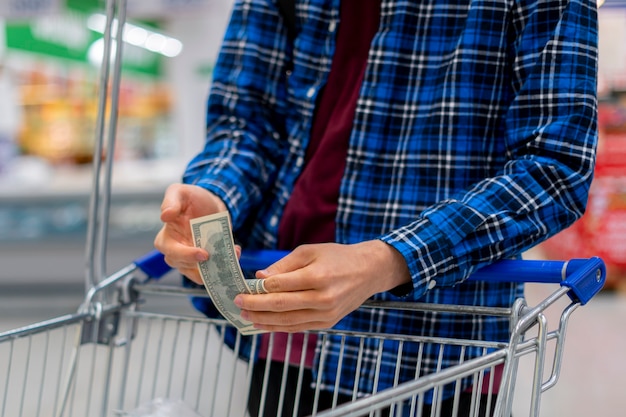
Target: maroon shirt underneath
[[309, 215]]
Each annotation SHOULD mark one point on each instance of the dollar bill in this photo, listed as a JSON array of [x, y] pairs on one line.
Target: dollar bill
[[256, 286], [221, 273]]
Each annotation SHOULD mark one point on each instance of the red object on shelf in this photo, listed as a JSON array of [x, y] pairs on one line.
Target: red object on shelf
[[611, 158]]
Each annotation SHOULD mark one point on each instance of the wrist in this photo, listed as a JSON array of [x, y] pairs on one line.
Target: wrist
[[218, 202], [390, 266]]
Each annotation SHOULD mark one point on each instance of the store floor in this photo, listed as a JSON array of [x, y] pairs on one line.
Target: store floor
[[593, 376]]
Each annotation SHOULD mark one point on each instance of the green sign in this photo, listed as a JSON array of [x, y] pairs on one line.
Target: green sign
[[66, 35], [85, 5]]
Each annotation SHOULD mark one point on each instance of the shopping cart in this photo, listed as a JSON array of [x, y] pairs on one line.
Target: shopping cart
[[121, 353], [113, 358]]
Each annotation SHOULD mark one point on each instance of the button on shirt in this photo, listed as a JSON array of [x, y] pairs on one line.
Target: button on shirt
[[473, 139]]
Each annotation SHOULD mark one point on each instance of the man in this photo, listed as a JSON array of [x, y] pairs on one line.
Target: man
[[396, 147]]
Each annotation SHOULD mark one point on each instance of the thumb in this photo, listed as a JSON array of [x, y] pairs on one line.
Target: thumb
[[293, 261], [171, 205]]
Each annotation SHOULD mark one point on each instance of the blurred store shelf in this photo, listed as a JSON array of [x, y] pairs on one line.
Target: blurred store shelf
[[44, 218]]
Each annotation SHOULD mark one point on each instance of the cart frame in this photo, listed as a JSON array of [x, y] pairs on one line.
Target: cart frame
[[105, 332]]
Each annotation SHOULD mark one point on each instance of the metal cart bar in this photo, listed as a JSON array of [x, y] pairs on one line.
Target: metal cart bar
[[95, 246]]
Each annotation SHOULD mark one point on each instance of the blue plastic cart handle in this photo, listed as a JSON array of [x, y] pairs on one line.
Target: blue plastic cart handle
[[585, 277], [153, 264]]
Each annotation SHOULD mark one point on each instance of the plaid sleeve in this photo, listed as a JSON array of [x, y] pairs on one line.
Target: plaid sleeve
[[244, 142], [549, 137]]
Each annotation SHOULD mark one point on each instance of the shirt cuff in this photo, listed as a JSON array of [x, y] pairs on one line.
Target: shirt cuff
[[428, 256], [229, 195]]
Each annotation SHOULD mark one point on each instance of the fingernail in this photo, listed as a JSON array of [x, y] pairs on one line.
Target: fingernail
[[238, 302], [201, 257], [245, 315]]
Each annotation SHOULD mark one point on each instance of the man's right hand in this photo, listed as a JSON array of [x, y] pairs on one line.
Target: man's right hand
[[181, 203]]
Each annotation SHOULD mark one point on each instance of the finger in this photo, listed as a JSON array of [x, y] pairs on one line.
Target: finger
[[181, 266], [178, 254], [306, 319], [264, 318], [278, 302], [296, 328], [297, 259], [290, 326], [297, 281], [192, 274], [291, 273]]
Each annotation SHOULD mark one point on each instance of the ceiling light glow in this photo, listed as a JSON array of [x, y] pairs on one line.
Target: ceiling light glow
[[139, 36]]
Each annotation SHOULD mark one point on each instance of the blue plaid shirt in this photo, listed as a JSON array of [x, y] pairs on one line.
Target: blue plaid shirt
[[474, 139]]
